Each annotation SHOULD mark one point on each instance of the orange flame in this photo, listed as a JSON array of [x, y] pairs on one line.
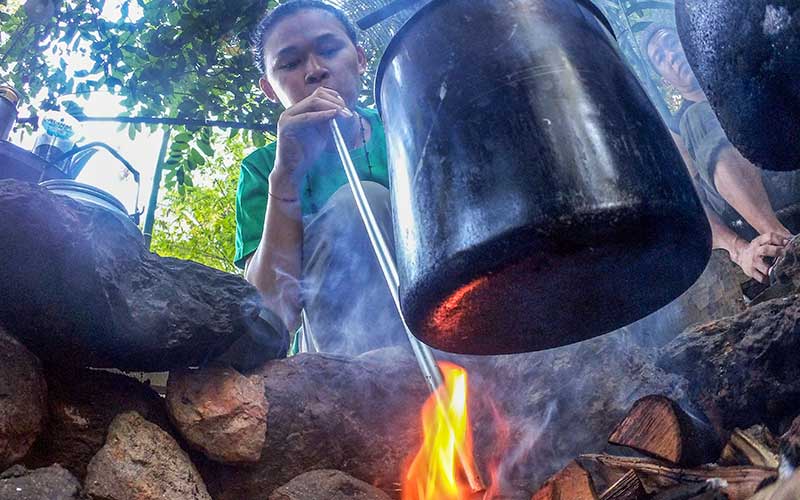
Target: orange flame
[[436, 473]]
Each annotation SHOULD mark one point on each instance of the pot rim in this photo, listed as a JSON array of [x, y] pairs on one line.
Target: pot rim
[[80, 187], [388, 53]]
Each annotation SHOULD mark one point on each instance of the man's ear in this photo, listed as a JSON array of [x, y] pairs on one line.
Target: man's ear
[[267, 89], [362, 59]]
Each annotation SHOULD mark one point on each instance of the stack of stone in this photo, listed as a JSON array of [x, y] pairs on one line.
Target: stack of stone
[[80, 295]]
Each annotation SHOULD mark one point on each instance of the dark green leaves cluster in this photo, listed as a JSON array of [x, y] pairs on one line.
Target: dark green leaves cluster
[[179, 59]]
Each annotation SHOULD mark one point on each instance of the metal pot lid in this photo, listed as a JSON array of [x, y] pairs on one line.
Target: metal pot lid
[[69, 186]]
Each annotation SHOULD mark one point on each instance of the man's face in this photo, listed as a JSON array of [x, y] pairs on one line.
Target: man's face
[[666, 53], [310, 49]]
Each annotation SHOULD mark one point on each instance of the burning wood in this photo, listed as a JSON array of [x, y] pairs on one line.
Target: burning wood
[[739, 482], [754, 446], [790, 448], [572, 483], [658, 427], [628, 487]]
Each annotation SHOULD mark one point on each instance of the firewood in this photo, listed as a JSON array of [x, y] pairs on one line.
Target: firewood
[[628, 487], [660, 428], [754, 446], [572, 483], [709, 490], [740, 482], [790, 448], [785, 489]]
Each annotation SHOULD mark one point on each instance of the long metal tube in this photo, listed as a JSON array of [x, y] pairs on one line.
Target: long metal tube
[[423, 354]]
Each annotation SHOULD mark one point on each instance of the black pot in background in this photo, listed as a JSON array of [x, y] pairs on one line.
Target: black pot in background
[[538, 197], [746, 56]]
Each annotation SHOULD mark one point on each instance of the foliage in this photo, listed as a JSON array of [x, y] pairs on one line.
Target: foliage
[[176, 58], [197, 222]]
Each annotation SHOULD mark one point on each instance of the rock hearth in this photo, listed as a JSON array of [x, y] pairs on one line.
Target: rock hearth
[[142, 462], [23, 400], [78, 287]]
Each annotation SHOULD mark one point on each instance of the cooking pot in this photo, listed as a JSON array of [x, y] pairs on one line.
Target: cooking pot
[[746, 57], [538, 197]]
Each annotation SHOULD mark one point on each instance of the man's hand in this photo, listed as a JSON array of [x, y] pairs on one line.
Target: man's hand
[[750, 256], [302, 135]]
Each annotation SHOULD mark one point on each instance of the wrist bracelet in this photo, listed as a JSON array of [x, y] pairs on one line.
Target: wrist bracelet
[[285, 200]]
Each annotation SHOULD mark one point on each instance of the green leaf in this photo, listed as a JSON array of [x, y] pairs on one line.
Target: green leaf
[[205, 147], [182, 137], [196, 157]]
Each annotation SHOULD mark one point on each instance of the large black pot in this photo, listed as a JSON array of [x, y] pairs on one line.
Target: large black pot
[[746, 56], [538, 197]]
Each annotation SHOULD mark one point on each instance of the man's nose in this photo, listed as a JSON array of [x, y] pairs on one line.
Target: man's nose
[[315, 72]]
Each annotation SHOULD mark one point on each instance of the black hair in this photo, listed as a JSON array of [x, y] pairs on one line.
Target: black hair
[[649, 33], [271, 18]]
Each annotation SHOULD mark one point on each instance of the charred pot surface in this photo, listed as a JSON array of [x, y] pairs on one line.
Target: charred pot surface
[[538, 198], [746, 56]]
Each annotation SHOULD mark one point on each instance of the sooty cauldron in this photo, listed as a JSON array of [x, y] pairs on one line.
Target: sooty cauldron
[[538, 197]]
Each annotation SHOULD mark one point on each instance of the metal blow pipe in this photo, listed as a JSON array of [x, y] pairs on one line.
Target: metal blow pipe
[[422, 353]]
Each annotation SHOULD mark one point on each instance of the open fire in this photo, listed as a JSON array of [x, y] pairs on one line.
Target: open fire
[[444, 467]]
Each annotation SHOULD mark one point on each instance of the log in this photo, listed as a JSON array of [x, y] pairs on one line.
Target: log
[[754, 446], [357, 415], [710, 490], [572, 483], [739, 482], [361, 415], [789, 449], [628, 487], [658, 427]]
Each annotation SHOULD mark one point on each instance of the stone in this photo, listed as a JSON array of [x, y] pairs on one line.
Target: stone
[[743, 370], [23, 400], [80, 409], [745, 56], [786, 270], [142, 462], [50, 483], [79, 288], [327, 485], [220, 412]]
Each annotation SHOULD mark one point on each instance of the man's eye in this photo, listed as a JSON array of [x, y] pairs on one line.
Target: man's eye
[[329, 51], [289, 65]]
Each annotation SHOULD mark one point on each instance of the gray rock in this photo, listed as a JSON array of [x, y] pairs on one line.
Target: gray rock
[[23, 400], [743, 370], [220, 412], [50, 483], [327, 485], [78, 287], [142, 462], [81, 406]]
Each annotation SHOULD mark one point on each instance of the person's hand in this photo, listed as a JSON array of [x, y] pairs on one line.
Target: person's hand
[[750, 256], [303, 133]]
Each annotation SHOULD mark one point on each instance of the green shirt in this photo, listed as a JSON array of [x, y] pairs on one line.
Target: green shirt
[[324, 178]]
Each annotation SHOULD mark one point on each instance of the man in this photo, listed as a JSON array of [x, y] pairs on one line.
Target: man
[[299, 238], [730, 186]]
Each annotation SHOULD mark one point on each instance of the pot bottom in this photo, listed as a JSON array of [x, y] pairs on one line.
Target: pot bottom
[[559, 285]]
